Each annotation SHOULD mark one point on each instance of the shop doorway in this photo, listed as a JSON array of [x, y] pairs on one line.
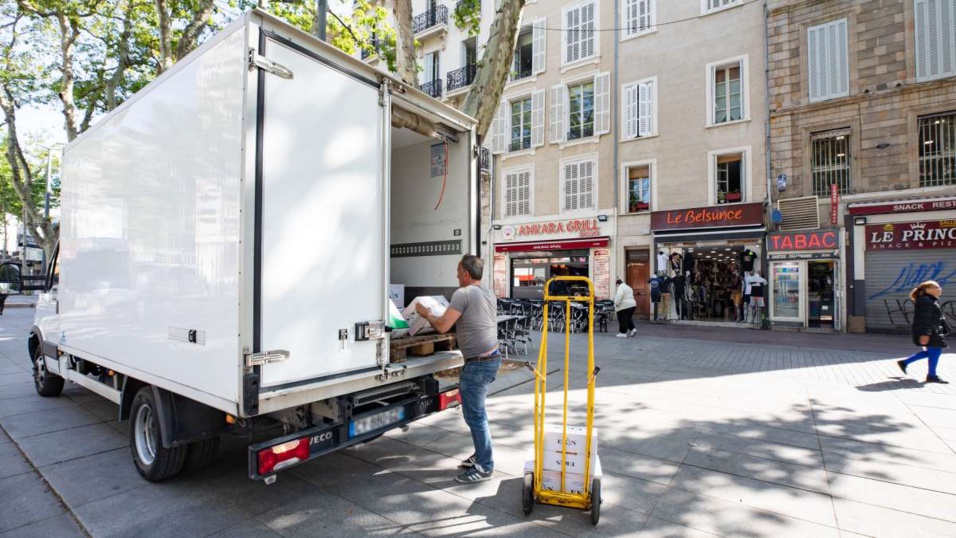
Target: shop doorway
[[820, 303], [638, 273]]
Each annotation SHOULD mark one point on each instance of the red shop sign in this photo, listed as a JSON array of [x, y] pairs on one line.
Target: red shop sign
[[904, 207], [725, 216], [570, 244], [821, 240], [911, 235], [834, 203]]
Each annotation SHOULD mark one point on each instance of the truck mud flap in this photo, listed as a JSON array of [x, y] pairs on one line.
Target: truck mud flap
[[269, 457]]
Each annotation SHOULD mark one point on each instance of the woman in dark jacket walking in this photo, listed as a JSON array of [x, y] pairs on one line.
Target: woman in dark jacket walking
[[929, 328]]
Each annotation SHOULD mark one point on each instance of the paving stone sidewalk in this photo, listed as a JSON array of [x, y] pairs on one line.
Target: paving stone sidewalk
[[739, 433]]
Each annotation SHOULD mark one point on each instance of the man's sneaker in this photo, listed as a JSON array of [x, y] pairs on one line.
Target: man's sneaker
[[936, 379], [622, 335], [473, 474], [902, 365], [469, 462], [632, 332]]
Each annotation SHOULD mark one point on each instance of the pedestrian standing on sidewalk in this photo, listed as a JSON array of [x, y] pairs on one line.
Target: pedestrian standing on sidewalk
[[656, 282], [624, 305], [929, 328], [474, 308]]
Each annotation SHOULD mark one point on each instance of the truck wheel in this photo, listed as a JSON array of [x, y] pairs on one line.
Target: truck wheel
[[47, 383], [152, 461], [201, 454]]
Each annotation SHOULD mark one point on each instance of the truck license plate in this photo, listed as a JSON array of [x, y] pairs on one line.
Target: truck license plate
[[377, 421]]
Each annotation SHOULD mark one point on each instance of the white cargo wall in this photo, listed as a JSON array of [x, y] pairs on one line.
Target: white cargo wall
[[151, 226], [417, 217]]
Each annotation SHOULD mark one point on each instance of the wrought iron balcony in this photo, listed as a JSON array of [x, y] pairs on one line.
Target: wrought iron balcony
[[460, 78], [433, 88], [430, 19], [485, 160]]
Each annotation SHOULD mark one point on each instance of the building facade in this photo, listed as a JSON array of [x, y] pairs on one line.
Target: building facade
[[692, 171], [863, 146]]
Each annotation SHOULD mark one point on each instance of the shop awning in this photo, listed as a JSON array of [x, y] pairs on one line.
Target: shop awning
[[567, 244]]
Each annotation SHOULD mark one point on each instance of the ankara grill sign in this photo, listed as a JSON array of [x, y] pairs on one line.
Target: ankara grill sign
[[726, 216], [911, 235]]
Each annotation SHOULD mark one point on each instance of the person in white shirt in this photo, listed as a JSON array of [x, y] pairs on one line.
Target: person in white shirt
[[756, 284], [624, 305]]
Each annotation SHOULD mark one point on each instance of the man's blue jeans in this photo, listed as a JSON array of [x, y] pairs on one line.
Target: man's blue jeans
[[473, 386]]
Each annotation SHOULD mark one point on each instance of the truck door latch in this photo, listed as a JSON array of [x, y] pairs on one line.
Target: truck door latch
[[265, 357], [257, 60]]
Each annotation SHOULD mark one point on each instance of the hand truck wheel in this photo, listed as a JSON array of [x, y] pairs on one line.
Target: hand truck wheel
[[527, 494], [595, 500]]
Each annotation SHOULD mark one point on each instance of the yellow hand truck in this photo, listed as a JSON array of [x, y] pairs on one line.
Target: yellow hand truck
[[585, 492]]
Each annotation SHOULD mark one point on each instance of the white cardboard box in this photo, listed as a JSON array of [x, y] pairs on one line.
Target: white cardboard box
[[576, 442], [573, 482], [396, 292], [436, 304]]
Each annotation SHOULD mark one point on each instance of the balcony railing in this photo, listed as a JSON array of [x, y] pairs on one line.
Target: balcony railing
[[460, 78], [430, 19], [485, 160], [433, 88]]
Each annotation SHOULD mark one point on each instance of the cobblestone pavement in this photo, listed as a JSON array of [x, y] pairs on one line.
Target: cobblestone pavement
[[730, 432]]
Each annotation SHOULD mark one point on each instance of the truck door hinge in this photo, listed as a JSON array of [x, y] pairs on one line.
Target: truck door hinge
[[258, 61], [265, 357], [476, 151]]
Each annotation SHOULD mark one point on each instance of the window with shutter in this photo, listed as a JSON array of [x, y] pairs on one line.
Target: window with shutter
[[539, 46], [537, 118], [579, 185], [712, 6], [935, 39], [520, 124], [499, 129], [639, 110], [828, 62], [557, 114], [580, 42], [518, 186], [523, 63], [639, 17]]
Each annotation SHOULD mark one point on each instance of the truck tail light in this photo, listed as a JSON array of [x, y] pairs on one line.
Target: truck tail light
[[279, 457], [448, 399]]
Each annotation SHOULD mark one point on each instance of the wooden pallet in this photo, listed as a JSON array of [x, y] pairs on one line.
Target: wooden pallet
[[420, 346]]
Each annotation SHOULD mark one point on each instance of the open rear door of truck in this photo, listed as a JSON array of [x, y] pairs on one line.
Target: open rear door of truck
[[321, 218]]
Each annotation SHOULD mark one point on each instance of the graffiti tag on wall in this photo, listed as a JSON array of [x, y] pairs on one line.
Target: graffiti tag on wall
[[913, 273]]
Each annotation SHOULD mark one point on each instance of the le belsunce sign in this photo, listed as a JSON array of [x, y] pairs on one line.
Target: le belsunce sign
[[911, 235], [796, 241], [725, 216]]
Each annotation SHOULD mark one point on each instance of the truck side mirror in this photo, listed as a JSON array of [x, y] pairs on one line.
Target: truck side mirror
[[11, 282]]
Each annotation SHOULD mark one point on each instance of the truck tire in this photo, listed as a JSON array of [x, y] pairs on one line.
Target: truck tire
[[47, 383], [152, 460], [201, 454]]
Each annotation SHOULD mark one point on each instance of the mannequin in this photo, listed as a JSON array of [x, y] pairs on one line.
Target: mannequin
[[661, 261], [747, 258], [688, 264], [656, 282], [757, 284]]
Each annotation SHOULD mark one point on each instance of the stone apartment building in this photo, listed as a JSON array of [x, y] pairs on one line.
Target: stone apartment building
[[862, 101], [691, 148]]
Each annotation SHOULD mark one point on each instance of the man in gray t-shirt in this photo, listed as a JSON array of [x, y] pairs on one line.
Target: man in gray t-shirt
[[474, 308]]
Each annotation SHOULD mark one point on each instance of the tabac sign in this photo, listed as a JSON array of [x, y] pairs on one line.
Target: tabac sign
[[911, 235], [724, 216], [793, 241]]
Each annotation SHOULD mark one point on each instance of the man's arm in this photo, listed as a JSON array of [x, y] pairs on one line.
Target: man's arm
[[442, 323]]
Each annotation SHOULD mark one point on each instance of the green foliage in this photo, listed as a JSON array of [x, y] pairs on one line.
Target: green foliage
[[467, 16]]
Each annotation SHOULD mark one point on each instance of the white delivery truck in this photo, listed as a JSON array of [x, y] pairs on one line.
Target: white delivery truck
[[227, 241]]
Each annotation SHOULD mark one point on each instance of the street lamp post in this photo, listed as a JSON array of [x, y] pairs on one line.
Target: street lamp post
[[46, 198]]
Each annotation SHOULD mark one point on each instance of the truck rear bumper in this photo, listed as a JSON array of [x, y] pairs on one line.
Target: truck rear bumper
[[269, 457]]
